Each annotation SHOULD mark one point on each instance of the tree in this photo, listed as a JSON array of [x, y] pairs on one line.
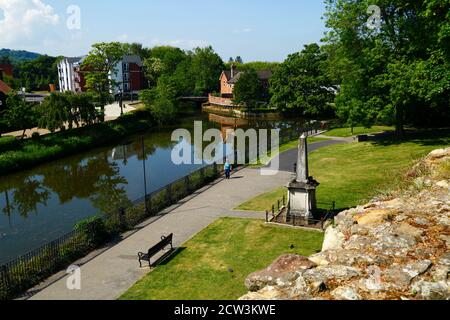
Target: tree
[[301, 84], [19, 113], [154, 68], [249, 90], [55, 112], [205, 70], [37, 74], [100, 64], [402, 66], [239, 60]]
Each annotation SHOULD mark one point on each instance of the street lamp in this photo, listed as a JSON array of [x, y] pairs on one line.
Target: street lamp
[[121, 101]]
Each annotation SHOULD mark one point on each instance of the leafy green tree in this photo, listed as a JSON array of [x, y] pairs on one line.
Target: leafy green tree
[[100, 64], [19, 113], [301, 84], [249, 90], [154, 68], [54, 112], [37, 74], [397, 71], [205, 70]]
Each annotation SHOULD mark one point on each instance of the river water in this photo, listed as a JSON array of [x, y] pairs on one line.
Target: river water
[[44, 203]]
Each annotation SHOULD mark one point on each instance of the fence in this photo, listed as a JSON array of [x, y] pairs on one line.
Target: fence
[[30, 269], [280, 214]]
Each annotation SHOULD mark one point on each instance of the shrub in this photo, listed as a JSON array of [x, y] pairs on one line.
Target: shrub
[[92, 231], [8, 143]]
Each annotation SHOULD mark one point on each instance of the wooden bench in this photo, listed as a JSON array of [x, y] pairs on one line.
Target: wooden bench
[[165, 242]]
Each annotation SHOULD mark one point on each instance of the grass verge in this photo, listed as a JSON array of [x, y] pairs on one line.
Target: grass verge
[[347, 132], [353, 173], [31, 152], [214, 264]]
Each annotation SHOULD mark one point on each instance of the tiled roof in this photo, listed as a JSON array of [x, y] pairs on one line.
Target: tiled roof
[[262, 75], [4, 87]]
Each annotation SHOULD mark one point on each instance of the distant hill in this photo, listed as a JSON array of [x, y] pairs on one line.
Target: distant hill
[[18, 56]]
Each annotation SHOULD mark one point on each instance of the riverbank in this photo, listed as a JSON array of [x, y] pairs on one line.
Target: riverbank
[[19, 155]]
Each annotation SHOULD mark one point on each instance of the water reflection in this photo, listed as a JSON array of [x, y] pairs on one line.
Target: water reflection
[[43, 203]]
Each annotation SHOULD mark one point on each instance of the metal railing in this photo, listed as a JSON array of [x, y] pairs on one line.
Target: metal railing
[[30, 269], [280, 214]]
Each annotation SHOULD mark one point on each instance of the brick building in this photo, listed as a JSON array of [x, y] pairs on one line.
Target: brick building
[[228, 80]]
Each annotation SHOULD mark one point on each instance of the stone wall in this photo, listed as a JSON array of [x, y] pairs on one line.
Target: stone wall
[[395, 247]]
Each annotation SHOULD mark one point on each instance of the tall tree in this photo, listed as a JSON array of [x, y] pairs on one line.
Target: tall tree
[[100, 65], [301, 84], [206, 67], [249, 90], [395, 71], [19, 113]]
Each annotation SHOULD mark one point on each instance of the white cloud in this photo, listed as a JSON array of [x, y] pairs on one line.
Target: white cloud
[[25, 22]]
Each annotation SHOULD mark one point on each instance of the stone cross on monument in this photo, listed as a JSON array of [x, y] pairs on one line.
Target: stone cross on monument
[[302, 190]]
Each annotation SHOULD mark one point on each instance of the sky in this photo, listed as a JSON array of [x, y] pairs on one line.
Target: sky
[[256, 30]]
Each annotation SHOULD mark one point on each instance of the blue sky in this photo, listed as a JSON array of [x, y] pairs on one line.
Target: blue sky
[[255, 29]]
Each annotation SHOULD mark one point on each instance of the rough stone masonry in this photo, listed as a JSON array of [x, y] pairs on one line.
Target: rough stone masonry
[[395, 247]]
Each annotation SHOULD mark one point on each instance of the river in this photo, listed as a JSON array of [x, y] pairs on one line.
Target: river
[[44, 203]]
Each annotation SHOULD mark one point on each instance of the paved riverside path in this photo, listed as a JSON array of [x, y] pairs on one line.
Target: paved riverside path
[[113, 272]]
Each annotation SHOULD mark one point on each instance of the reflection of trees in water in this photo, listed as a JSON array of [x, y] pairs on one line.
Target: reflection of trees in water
[[28, 196], [93, 178], [85, 176]]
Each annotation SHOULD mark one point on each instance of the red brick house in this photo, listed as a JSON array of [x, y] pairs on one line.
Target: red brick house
[[228, 80]]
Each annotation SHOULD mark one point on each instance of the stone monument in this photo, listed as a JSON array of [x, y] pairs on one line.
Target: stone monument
[[302, 189]]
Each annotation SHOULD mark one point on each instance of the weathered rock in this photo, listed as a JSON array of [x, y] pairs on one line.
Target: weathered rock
[[333, 239], [346, 293], [431, 290], [440, 273], [400, 276], [443, 184], [372, 217], [323, 274], [422, 222], [405, 229], [282, 272], [445, 259], [446, 239]]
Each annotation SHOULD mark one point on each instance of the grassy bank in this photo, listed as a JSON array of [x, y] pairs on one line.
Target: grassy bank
[[17, 155], [284, 147], [353, 173], [347, 132], [214, 264]]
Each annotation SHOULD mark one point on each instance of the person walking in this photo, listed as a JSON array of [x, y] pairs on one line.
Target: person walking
[[227, 168]]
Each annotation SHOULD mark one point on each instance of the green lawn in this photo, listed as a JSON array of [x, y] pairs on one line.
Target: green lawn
[[353, 173], [214, 264], [347, 132], [284, 147]]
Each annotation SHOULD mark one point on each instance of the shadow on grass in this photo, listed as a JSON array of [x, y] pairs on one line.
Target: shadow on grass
[[167, 257], [423, 137]]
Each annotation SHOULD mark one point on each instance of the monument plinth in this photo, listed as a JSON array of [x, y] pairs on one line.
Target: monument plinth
[[302, 189]]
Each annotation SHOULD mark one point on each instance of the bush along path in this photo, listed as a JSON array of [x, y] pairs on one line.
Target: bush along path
[[16, 155]]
